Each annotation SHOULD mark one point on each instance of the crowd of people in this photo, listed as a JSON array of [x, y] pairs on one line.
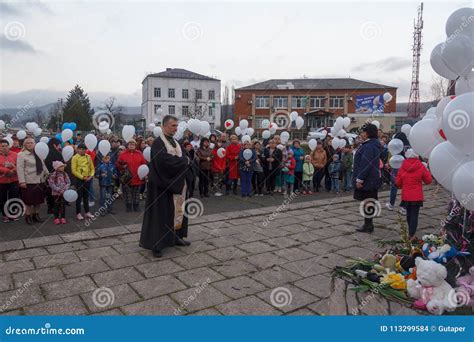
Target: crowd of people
[[218, 164]]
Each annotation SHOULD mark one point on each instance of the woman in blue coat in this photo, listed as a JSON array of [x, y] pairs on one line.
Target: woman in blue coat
[[298, 153], [366, 176]]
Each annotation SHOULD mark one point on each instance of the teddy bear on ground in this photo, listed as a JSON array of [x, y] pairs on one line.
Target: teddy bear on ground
[[430, 289], [466, 287]]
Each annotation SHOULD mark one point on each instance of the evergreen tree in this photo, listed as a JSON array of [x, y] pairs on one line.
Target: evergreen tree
[[78, 109]]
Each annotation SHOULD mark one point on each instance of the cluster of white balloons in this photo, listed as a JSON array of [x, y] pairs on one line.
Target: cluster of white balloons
[[299, 121], [395, 147]]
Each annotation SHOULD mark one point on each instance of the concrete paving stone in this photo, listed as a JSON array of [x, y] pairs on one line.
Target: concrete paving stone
[[104, 232], [126, 238], [20, 297], [306, 236], [206, 312], [295, 229], [287, 297], [320, 307], [103, 299], [43, 241], [234, 268], [117, 277], [129, 247], [351, 300], [196, 247], [227, 253], [158, 268], [113, 312], [345, 241], [79, 236], [293, 253], [96, 253], [247, 237], [83, 268], [15, 266], [66, 247], [131, 259], [11, 245], [372, 304], [223, 232], [328, 232], [286, 221], [6, 282], [217, 225], [109, 241], [265, 260], [283, 242], [307, 267], [332, 260], [301, 312], [225, 241], [134, 227], [239, 287], [198, 276], [200, 236], [337, 299], [156, 287], [241, 221], [315, 224], [44, 275], [248, 306], [256, 247], [161, 306], [335, 221], [25, 253], [271, 232], [318, 247], [275, 276], [347, 228], [69, 287], [199, 298], [55, 259], [355, 252], [12, 313], [195, 260], [318, 285], [70, 306], [396, 309]]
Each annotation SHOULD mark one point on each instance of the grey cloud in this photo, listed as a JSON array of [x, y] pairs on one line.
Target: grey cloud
[[8, 9], [20, 46], [19, 8], [387, 64]]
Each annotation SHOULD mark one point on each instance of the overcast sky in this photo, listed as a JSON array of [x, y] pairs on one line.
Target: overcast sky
[[109, 46]]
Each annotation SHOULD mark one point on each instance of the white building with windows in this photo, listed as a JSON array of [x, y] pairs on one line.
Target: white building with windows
[[182, 93]]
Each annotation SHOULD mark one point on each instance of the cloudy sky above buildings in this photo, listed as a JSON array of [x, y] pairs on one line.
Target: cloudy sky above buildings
[[109, 46]]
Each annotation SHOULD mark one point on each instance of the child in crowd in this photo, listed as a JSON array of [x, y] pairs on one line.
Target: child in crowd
[[308, 171], [410, 179], [258, 177], [83, 170], [290, 165], [218, 168], [204, 154], [59, 182], [106, 173], [246, 166], [334, 169], [347, 161]]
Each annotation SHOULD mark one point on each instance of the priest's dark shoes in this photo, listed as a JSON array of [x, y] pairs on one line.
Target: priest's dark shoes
[[157, 253], [181, 242]]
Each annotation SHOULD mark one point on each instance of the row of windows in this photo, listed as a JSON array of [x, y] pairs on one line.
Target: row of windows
[[184, 93], [299, 101], [185, 110]]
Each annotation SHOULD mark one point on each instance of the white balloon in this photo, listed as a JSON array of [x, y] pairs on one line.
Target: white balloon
[[299, 122], [429, 117], [312, 144], [104, 126], [246, 138], [284, 137], [70, 195], [221, 152], [212, 145], [272, 129], [376, 124], [41, 150], [229, 124], [465, 84], [194, 126], [157, 131], [459, 22], [293, 116], [424, 136], [442, 105], [458, 53], [31, 126], [463, 185], [324, 134], [21, 134], [90, 141], [346, 122], [406, 128], [238, 131], [266, 134], [280, 147], [147, 153], [335, 143], [128, 131], [396, 161], [37, 132], [395, 146], [431, 111], [10, 141], [104, 147], [458, 122], [243, 124], [151, 127], [265, 123], [143, 171], [438, 64], [44, 139], [250, 131], [387, 97], [159, 111], [67, 153], [342, 133], [247, 154], [66, 134], [156, 120], [2, 124], [205, 127], [444, 160]]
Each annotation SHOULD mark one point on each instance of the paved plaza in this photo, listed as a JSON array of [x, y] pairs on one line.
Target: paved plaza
[[273, 260]]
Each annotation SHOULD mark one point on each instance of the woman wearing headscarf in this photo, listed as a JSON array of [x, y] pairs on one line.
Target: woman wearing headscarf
[[32, 173]]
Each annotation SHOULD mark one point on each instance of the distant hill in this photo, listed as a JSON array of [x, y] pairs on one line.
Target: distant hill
[[424, 106]]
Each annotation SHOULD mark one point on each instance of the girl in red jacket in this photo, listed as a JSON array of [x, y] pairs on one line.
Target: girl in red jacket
[[218, 168], [410, 179]]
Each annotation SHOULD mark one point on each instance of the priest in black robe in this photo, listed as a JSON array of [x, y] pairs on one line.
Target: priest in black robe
[[164, 223]]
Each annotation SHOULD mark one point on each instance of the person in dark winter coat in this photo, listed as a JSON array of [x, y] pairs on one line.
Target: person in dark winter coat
[[410, 178], [54, 154], [366, 174]]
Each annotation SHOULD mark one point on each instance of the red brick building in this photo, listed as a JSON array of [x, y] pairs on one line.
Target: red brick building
[[319, 101]]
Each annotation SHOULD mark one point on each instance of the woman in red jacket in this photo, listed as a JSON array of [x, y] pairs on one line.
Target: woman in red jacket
[[218, 168], [232, 155], [410, 179]]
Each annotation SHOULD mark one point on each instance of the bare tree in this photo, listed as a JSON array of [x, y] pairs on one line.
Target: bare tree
[[196, 109], [116, 110], [39, 117], [439, 88]]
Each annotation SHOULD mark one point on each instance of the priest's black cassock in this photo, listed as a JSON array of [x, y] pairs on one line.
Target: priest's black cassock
[[166, 179]]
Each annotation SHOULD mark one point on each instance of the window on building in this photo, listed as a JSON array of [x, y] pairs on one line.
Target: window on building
[[280, 101], [171, 93], [198, 94], [257, 122], [185, 94], [211, 111], [212, 94], [157, 92], [262, 102], [171, 109], [155, 108], [185, 111], [317, 101], [298, 101], [336, 101]]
